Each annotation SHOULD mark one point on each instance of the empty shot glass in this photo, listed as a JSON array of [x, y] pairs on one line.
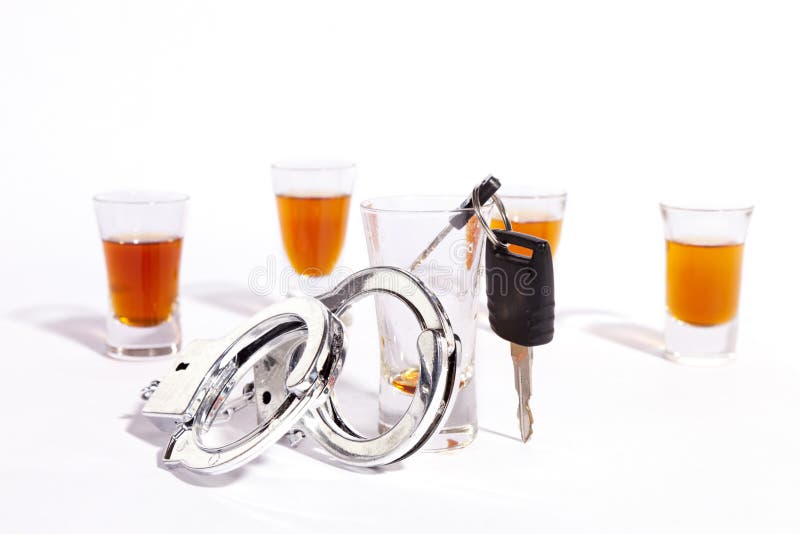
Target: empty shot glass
[[142, 233], [397, 230], [705, 249]]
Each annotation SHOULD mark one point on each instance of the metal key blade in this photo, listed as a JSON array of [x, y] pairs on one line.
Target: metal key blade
[[430, 248], [486, 189], [522, 358]]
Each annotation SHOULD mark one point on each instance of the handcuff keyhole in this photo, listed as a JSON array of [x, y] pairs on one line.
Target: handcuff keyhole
[[182, 366], [266, 397]]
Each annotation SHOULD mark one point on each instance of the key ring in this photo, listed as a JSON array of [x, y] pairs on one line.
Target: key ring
[[476, 206]]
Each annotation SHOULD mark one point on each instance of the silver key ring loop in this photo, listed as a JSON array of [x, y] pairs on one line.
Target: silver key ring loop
[[476, 206]]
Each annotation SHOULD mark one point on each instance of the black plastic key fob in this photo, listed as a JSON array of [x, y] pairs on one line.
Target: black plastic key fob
[[519, 289]]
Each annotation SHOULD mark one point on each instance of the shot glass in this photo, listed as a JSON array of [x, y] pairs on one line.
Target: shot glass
[[313, 204], [532, 211], [142, 233], [705, 248], [397, 230]]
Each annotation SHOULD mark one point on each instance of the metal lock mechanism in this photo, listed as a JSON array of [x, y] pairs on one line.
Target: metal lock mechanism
[[295, 350]]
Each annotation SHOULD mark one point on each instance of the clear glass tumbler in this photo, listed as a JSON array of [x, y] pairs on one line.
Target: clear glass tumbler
[[533, 211], [397, 230], [142, 233], [705, 248], [313, 204]]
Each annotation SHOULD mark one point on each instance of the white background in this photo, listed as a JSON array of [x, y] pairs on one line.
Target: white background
[[621, 103]]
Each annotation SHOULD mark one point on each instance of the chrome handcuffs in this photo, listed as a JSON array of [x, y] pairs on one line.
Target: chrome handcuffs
[[295, 350]]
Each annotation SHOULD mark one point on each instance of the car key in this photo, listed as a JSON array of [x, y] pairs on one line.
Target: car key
[[480, 195], [521, 305]]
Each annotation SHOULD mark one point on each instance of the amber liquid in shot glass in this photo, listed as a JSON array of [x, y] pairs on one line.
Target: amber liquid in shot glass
[[550, 230], [143, 277], [532, 211], [313, 198], [703, 282], [313, 230]]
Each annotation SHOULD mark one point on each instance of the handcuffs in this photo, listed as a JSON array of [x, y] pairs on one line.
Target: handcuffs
[[295, 350]]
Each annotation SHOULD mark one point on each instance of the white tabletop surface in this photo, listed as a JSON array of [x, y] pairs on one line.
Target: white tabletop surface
[[623, 441], [622, 103]]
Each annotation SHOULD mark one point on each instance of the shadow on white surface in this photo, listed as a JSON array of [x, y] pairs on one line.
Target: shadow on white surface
[[231, 297], [352, 410], [615, 328], [141, 428], [500, 434], [308, 447], [80, 325], [606, 325]]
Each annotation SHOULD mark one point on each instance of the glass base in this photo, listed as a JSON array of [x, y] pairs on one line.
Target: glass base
[[310, 286], [122, 353], [457, 432], [127, 342], [700, 345], [448, 439]]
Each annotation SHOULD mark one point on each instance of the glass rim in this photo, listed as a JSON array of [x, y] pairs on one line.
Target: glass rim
[[733, 208], [544, 194], [365, 204], [313, 165], [140, 196]]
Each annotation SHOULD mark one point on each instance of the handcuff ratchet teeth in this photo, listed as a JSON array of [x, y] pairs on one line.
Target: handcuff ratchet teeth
[[295, 350]]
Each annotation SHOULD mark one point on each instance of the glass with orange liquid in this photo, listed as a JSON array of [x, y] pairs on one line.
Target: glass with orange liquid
[[313, 205], [705, 248], [142, 233], [534, 212]]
